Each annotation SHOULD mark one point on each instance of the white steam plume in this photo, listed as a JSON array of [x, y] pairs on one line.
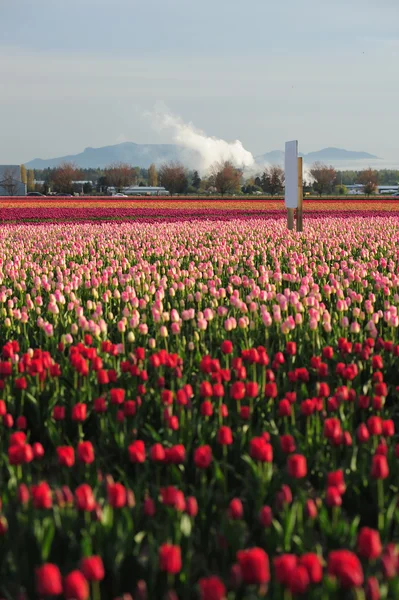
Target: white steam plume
[[210, 149]]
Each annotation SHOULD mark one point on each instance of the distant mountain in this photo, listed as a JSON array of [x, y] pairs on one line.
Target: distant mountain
[[332, 155], [337, 154], [142, 155], [273, 157], [138, 155]]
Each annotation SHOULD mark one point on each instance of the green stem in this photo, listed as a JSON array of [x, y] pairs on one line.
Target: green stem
[[381, 503], [96, 590]]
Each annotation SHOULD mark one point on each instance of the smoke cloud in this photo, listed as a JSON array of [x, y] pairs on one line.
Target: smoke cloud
[[209, 149]]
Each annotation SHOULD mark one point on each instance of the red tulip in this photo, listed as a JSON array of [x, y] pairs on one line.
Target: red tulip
[[117, 495], [336, 479], [42, 496], [287, 443], [333, 496], [266, 516], [66, 456], [236, 510], [92, 568], [225, 436], [372, 589], [226, 347], [48, 580], [312, 564], [369, 543], [346, 567], [271, 390], [84, 498], [379, 467], [260, 450], [157, 453], [86, 452], [176, 455], [170, 559], [203, 457], [212, 588], [283, 565], [191, 506], [137, 452], [297, 467], [76, 586], [237, 390], [79, 412], [254, 564]]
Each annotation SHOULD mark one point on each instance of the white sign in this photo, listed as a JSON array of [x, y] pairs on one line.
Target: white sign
[[291, 174]]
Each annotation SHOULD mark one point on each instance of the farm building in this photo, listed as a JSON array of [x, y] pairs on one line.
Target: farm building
[[137, 190]]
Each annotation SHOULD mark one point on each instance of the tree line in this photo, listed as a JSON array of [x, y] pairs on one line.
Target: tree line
[[223, 178]]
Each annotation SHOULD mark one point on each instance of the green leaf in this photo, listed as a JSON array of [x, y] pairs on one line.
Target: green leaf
[[354, 459], [290, 526], [277, 527], [32, 398], [353, 527], [86, 546], [218, 473], [154, 434], [390, 512], [47, 540], [248, 460]]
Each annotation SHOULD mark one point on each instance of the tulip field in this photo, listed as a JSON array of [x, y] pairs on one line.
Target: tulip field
[[198, 408], [105, 208]]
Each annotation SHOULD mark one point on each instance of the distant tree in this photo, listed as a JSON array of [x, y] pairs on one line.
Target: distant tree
[[24, 177], [249, 188], [258, 181], [30, 180], [43, 188], [10, 182], [102, 184], [207, 186], [173, 177], [370, 188], [87, 188], [272, 180], [324, 177], [226, 178], [196, 182], [368, 178], [346, 177], [388, 177], [152, 176], [63, 176], [307, 187], [341, 190], [120, 175]]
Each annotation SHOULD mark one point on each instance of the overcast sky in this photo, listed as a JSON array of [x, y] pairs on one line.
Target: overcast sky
[[77, 73]]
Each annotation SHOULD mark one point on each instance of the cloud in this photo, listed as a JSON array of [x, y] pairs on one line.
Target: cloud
[[210, 149]]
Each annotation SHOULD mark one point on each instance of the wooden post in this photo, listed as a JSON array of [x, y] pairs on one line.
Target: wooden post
[[290, 218], [299, 212]]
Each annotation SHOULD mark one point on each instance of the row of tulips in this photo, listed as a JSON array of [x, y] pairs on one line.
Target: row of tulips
[[109, 209], [200, 412]]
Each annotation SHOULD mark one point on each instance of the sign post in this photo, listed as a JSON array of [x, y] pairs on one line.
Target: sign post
[[291, 181], [299, 211], [290, 218]]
